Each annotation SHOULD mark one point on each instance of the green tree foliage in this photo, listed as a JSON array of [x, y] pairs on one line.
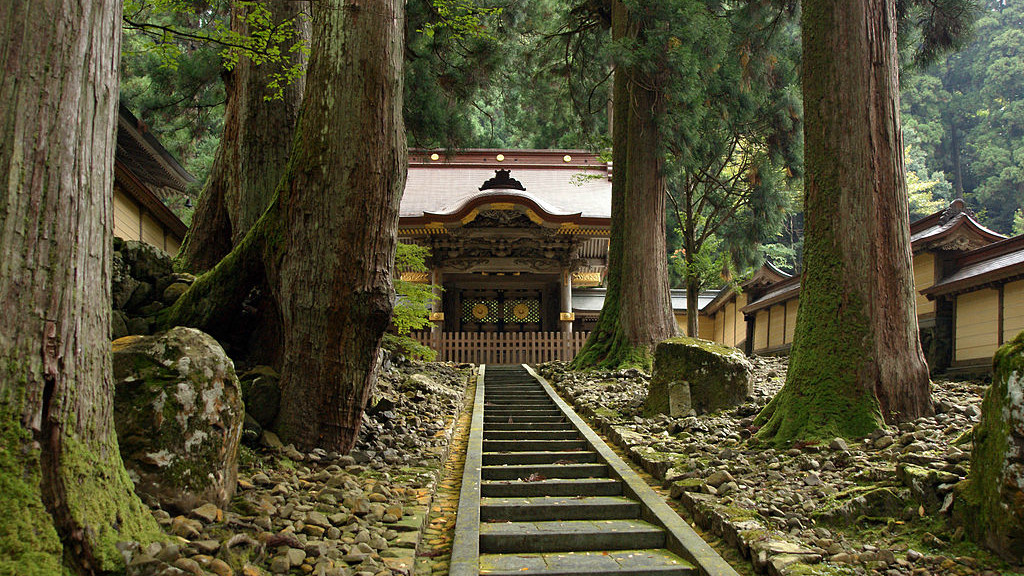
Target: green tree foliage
[[968, 111], [734, 141], [412, 305], [173, 84], [447, 63], [553, 89]]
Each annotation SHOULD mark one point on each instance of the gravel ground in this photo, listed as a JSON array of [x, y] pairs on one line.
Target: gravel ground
[[879, 505], [321, 512]]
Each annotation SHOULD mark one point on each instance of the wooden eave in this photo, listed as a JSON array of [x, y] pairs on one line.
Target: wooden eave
[[991, 265], [463, 214], [719, 301], [765, 276], [779, 292], [512, 159], [144, 196], [964, 224]]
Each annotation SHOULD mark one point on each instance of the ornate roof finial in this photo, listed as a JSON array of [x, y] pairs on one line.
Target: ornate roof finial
[[502, 180]]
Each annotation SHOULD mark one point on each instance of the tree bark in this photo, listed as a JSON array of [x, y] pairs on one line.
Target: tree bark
[[326, 245], [637, 312], [856, 358], [65, 493], [254, 149]]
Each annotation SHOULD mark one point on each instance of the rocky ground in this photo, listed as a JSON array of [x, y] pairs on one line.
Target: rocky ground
[[325, 513], [881, 505]]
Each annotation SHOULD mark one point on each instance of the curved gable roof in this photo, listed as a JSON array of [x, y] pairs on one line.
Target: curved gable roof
[[446, 189]]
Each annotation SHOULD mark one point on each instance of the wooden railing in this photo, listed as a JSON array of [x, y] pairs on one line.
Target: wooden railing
[[503, 347]]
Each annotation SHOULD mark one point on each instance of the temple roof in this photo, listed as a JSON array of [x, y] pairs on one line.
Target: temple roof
[[142, 167], [592, 299], [563, 185], [143, 154], [998, 262], [953, 227]]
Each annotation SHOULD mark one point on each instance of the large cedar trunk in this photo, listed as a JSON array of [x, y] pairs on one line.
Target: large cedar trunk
[[254, 149], [65, 494], [856, 358], [637, 312], [339, 206], [326, 244]]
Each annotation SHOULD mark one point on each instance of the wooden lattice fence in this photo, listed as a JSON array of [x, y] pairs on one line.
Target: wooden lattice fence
[[503, 347]]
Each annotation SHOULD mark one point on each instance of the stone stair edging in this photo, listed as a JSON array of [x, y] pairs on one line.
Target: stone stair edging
[[465, 558], [683, 540], [421, 513], [767, 549]]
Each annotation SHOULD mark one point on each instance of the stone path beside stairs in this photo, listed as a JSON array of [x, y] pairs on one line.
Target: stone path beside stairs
[[541, 493]]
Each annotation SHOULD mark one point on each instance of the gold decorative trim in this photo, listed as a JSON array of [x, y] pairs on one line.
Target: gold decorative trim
[[416, 277], [437, 316], [471, 216], [567, 316], [586, 279]]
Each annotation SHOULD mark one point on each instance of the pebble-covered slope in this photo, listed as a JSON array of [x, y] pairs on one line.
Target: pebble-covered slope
[[874, 506], [321, 512]]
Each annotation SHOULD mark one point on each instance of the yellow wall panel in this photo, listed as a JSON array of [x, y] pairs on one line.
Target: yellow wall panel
[[126, 217], [730, 324], [705, 327], [977, 315], [152, 232], [791, 308], [924, 276], [761, 330], [1013, 310], [776, 325], [738, 319]]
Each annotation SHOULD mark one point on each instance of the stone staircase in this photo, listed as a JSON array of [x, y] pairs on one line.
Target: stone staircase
[[550, 502]]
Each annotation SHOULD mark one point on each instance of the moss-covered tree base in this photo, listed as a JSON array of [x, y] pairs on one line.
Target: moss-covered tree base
[[818, 412], [28, 542], [605, 351]]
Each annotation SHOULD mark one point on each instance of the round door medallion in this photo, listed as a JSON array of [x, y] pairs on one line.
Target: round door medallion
[[521, 311], [480, 311]]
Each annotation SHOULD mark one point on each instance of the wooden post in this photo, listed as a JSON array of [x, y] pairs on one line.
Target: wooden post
[[436, 277]]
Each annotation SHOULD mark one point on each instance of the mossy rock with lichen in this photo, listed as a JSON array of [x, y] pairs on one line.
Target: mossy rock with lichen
[[699, 375], [178, 414], [991, 507]]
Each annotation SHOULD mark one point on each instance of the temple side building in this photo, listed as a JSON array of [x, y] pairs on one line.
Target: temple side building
[[145, 172], [970, 296]]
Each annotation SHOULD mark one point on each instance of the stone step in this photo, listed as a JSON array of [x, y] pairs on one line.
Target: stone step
[[522, 419], [558, 508], [531, 435], [618, 563], [552, 487], [505, 426], [532, 445], [517, 411], [523, 458], [544, 471], [572, 535], [518, 402]]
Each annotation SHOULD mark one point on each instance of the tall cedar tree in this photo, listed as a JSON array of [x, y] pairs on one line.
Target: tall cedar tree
[[637, 311], [255, 146], [326, 245], [856, 360], [64, 491]]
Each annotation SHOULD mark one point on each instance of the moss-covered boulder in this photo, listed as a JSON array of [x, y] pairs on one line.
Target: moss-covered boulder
[[992, 505], [699, 375], [179, 414]]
